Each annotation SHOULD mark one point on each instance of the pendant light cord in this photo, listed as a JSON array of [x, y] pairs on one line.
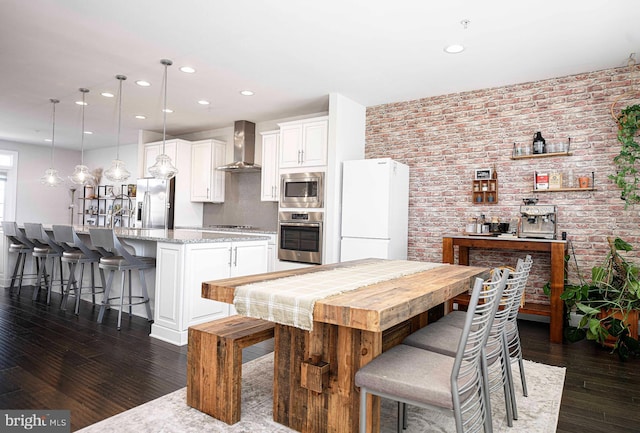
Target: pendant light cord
[[166, 64], [120, 78], [53, 129], [84, 92]]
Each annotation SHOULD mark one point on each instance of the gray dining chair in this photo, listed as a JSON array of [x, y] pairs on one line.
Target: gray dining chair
[[19, 244], [456, 318], [123, 260], [511, 329], [415, 376], [82, 256], [438, 336]]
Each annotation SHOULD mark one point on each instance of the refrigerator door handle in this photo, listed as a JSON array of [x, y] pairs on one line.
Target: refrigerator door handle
[[146, 211]]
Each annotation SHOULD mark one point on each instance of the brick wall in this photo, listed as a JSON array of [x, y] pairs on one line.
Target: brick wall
[[444, 138]]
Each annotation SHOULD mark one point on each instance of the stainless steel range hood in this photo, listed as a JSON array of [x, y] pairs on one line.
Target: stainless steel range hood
[[244, 148]]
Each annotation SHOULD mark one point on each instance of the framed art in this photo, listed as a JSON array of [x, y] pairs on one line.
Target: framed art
[[483, 174]]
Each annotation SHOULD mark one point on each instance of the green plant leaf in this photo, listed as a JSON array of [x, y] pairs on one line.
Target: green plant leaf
[[587, 309], [622, 245], [573, 334]]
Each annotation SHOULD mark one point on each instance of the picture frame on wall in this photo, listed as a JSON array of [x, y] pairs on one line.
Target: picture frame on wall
[[482, 173]]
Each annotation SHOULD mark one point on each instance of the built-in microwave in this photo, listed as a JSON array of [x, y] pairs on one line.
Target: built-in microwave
[[302, 190]]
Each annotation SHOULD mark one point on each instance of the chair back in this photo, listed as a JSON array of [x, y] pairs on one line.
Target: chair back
[[40, 238], [11, 230], [107, 240], [68, 235], [524, 266], [466, 376]]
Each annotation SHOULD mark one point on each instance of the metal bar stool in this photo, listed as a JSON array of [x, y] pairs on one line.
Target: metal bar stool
[[84, 255], [20, 245], [123, 260], [45, 248]]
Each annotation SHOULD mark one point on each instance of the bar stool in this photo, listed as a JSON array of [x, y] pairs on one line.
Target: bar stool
[[84, 255], [122, 260], [45, 248], [20, 245]]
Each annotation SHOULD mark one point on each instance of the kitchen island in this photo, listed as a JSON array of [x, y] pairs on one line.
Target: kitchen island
[[184, 259]]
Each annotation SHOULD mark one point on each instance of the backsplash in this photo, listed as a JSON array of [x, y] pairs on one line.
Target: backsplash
[[242, 205]]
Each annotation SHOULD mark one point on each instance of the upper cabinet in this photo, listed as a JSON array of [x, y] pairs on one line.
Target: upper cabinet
[[270, 177], [303, 143], [207, 183], [152, 150]]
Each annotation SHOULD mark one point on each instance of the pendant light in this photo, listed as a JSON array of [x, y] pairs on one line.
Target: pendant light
[[163, 168], [81, 175], [51, 177], [118, 172]]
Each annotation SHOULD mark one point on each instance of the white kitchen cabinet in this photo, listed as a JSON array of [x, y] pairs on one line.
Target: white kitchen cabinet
[[152, 150], [180, 271], [207, 182], [303, 143], [270, 176]]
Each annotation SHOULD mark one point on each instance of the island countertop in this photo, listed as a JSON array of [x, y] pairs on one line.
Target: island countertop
[[179, 236]]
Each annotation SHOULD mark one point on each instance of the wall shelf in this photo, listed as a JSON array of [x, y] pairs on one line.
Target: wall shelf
[[541, 155], [563, 189]]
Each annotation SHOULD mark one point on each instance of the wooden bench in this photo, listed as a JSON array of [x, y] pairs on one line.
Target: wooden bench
[[214, 363]]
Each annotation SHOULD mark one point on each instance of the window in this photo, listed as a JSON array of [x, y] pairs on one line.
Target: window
[[8, 184]]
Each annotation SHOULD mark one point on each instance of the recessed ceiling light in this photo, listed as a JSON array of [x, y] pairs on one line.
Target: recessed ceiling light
[[187, 69], [168, 110], [246, 93], [454, 49], [203, 102], [48, 140], [88, 132], [107, 94], [140, 116], [143, 83], [81, 103]]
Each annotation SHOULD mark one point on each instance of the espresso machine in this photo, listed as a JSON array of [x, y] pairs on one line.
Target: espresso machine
[[538, 222]]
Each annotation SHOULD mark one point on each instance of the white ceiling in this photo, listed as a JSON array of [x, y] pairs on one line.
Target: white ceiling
[[291, 53]]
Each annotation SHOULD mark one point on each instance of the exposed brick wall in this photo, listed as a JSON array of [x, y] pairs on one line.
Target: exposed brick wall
[[444, 138]]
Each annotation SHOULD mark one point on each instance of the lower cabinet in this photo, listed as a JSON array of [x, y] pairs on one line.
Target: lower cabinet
[[180, 271]]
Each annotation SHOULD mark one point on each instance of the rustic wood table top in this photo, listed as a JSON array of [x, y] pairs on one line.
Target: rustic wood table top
[[372, 308]]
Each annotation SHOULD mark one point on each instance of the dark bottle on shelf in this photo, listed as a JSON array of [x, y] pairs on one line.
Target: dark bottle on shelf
[[538, 144]]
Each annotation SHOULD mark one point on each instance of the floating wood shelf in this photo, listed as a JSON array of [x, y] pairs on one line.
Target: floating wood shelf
[[563, 189], [541, 155]]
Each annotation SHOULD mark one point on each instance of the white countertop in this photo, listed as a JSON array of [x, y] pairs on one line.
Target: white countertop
[[179, 236]]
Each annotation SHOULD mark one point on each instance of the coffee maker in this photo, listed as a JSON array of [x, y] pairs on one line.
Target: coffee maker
[[538, 222]]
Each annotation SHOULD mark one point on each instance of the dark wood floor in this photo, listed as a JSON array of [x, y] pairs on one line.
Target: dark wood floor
[[51, 359]]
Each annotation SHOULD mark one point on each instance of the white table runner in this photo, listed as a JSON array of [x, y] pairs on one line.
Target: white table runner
[[290, 300]]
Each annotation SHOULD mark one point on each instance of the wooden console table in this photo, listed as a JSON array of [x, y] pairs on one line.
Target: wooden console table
[[556, 248]]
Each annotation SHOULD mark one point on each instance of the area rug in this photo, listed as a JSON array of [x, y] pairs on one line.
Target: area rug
[[170, 414]]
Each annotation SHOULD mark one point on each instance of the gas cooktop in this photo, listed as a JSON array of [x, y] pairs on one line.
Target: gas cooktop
[[229, 226]]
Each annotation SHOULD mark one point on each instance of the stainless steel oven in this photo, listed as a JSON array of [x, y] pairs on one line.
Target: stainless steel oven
[[302, 190], [300, 237]]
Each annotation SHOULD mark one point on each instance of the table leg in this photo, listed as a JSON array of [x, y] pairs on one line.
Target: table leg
[[556, 318], [336, 408]]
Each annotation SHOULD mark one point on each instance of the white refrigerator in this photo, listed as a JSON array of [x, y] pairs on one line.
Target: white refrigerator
[[375, 209]]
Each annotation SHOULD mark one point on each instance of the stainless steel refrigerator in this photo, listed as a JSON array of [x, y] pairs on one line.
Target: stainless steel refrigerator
[[155, 203]]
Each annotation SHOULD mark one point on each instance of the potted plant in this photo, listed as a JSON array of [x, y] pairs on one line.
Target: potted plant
[[609, 303], [627, 176]]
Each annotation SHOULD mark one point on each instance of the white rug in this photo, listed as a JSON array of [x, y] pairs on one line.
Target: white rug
[[170, 414]]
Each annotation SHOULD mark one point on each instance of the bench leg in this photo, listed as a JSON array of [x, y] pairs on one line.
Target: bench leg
[[214, 376]]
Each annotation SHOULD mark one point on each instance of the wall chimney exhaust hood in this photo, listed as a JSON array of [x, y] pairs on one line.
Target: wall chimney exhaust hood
[[244, 148]]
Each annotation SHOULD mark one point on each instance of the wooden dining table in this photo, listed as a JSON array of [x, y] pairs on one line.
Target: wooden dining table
[[314, 371]]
